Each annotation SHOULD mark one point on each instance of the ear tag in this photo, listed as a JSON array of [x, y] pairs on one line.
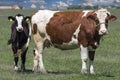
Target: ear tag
[[27, 19], [10, 20]]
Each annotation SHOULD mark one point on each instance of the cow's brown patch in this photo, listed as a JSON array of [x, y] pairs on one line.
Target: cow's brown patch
[[34, 30], [62, 26]]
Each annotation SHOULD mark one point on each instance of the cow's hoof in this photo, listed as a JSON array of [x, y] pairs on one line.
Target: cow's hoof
[[43, 72], [15, 68], [22, 70], [34, 70], [92, 72], [84, 71]]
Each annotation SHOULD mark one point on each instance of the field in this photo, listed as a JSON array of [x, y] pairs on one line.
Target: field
[[62, 65]]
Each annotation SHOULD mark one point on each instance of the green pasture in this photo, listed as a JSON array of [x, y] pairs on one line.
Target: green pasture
[[62, 65]]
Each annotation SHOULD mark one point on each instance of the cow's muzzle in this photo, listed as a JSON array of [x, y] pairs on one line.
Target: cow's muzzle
[[103, 32], [19, 29]]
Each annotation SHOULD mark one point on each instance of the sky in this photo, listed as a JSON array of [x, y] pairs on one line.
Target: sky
[[49, 4], [44, 3]]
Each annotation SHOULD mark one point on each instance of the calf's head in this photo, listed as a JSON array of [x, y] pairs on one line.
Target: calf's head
[[19, 22], [101, 17]]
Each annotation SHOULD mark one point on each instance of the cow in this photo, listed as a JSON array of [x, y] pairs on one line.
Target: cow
[[67, 30], [20, 38]]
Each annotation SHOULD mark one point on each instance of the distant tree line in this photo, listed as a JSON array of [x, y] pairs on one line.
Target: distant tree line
[[90, 7]]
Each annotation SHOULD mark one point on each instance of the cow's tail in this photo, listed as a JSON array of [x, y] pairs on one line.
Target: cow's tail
[[9, 41]]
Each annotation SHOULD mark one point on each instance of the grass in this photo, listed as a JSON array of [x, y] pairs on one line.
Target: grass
[[62, 65]]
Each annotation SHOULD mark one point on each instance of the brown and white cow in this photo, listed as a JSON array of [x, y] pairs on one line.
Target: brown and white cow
[[69, 30]]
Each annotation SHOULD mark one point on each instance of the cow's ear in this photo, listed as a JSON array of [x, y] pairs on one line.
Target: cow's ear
[[27, 18], [112, 18], [11, 18], [92, 16]]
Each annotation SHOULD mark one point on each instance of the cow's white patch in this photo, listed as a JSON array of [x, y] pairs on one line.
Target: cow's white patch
[[86, 12], [75, 36], [28, 41], [91, 67], [16, 68], [84, 56], [102, 15], [41, 18], [77, 31], [19, 22], [30, 31], [84, 52]]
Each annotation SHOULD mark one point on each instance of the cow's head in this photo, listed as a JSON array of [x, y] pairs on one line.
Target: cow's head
[[101, 17], [19, 21]]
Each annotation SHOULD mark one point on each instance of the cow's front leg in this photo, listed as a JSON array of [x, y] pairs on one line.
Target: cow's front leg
[[15, 58], [91, 58], [84, 57], [15, 62], [23, 59]]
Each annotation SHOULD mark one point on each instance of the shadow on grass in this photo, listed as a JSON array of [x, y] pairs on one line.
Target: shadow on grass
[[61, 72], [105, 75], [27, 71]]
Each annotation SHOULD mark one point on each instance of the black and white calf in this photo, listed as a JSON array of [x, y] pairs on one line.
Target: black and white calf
[[20, 38]]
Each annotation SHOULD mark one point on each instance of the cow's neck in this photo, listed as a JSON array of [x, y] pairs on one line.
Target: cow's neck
[[97, 38]]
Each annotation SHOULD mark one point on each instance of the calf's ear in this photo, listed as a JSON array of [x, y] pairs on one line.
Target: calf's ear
[[112, 18], [11, 18], [27, 18]]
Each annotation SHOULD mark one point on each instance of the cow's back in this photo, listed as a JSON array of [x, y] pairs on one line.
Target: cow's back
[[41, 18]]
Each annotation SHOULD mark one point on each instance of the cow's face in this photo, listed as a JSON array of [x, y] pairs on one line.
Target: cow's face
[[101, 17], [19, 21]]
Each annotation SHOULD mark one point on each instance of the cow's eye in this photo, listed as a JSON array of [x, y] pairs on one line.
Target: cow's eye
[[97, 21]]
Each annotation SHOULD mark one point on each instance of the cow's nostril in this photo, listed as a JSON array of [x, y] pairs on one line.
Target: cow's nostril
[[20, 29]]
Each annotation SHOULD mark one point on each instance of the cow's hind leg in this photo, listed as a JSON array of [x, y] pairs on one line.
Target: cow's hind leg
[[39, 41], [23, 59], [40, 59]]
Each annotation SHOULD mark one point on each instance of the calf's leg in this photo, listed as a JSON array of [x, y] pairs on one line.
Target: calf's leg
[[16, 63], [15, 58], [23, 59]]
